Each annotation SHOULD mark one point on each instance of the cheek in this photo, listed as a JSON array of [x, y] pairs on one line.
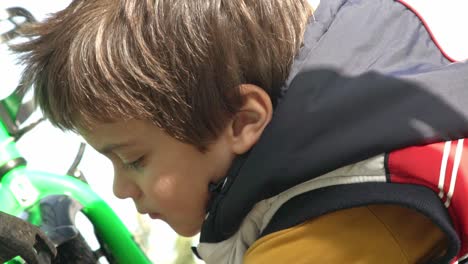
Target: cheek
[[176, 193], [160, 190]]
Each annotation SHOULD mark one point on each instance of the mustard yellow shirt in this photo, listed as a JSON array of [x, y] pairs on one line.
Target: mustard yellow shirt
[[372, 234]]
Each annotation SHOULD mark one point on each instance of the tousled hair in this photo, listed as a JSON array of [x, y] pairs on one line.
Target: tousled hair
[[178, 63]]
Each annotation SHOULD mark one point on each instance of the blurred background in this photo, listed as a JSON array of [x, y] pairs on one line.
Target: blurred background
[[49, 149]]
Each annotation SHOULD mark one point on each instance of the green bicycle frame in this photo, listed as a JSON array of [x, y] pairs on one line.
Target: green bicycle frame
[[22, 189]]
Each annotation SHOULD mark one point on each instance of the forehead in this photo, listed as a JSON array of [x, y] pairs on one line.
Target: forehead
[[100, 134]]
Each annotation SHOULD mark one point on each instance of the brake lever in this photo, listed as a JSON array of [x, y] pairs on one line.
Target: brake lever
[[20, 238]]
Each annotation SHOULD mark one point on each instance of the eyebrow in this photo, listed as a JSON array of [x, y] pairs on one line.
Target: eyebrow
[[108, 148]]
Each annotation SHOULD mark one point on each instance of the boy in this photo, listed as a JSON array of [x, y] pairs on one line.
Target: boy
[[238, 118]]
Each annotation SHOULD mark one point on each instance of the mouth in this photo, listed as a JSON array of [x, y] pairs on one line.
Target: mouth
[[154, 216]]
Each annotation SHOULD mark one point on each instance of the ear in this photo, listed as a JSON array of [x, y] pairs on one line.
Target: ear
[[248, 124]]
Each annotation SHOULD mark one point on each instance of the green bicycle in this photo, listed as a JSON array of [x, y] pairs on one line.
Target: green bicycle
[[38, 209]]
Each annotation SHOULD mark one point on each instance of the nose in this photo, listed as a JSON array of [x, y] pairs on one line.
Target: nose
[[124, 188]]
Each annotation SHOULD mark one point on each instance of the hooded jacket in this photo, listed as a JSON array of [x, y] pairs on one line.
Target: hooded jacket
[[373, 112]]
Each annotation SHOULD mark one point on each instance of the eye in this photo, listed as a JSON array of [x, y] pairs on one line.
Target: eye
[[134, 165]]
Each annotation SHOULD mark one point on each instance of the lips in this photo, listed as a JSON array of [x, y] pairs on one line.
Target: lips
[[154, 216], [151, 215]]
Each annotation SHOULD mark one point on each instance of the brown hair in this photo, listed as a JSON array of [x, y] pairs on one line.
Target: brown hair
[[178, 63]]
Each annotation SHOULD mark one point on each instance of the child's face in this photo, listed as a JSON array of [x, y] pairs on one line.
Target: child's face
[[165, 178]]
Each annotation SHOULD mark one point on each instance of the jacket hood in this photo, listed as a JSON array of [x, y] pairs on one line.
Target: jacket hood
[[362, 85]]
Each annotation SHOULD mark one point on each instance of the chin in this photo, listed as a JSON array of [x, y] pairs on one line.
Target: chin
[[187, 231]]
